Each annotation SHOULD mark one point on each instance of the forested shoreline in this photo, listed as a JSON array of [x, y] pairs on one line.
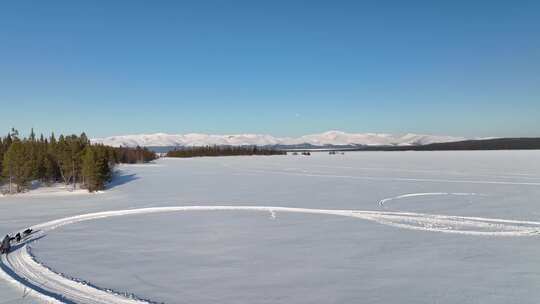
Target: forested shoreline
[[223, 151], [71, 160]]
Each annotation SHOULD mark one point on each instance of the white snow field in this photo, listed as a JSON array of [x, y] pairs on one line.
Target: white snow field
[[365, 227]]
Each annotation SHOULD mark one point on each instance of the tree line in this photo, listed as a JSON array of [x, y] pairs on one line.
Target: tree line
[[68, 159], [223, 151]]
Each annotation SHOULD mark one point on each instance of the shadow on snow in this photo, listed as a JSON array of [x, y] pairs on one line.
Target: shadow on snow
[[120, 178]]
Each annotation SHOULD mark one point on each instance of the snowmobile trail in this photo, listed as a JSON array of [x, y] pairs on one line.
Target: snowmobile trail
[[22, 269], [389, 199]]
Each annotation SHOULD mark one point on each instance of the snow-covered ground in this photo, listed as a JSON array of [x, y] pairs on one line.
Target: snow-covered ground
[[40, 189], [366, 227]]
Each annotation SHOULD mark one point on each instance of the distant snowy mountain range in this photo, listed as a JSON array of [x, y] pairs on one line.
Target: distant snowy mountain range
[[330, 138]]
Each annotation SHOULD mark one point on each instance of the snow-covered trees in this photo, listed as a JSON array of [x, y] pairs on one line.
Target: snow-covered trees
[[70, 159]]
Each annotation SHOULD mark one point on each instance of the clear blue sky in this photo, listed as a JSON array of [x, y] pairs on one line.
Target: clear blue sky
[[468, 68]]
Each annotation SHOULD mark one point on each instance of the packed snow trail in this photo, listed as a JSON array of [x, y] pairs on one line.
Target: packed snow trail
[[21, 267], [386, 200]]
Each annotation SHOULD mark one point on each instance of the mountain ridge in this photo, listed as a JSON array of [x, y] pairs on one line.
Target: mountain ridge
[[329, 138]]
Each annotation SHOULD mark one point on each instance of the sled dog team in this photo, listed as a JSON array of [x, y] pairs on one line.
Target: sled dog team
[[5, 247]]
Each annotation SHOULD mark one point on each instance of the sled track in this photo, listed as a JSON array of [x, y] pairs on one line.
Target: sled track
[[386, 200], [20, 267]]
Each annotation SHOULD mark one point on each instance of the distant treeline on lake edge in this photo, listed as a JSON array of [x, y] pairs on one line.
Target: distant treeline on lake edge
[[526, 143], [69, 159], [223, 151]]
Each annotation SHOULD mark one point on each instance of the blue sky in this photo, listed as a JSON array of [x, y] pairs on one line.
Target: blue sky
[[287, 68]]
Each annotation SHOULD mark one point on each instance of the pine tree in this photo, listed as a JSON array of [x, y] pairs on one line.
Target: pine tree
[[14, 134], [63, 159], [50, 163], [84, 139], [18, 165], [32, 135], [103, 165], [89, 169], [95, 168], [40, 150], [52, 139]]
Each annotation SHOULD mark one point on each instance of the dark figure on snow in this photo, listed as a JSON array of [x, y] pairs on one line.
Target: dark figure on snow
[[6, 245], [18, 237], [27, 232]]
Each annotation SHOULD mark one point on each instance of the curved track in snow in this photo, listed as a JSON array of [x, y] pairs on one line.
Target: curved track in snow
[[386, 200], [21, 268]]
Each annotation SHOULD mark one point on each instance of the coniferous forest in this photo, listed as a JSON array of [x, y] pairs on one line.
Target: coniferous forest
[[223, 151], [71, 160]]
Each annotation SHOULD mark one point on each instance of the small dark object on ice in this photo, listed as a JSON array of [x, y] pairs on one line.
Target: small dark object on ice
[[18, 237], [6, 245], [27, 231]]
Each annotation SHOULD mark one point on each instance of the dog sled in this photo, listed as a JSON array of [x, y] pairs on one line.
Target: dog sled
[[5, 246]]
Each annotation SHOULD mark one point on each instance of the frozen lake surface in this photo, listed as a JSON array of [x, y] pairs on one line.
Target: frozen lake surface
[[278, 257]]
